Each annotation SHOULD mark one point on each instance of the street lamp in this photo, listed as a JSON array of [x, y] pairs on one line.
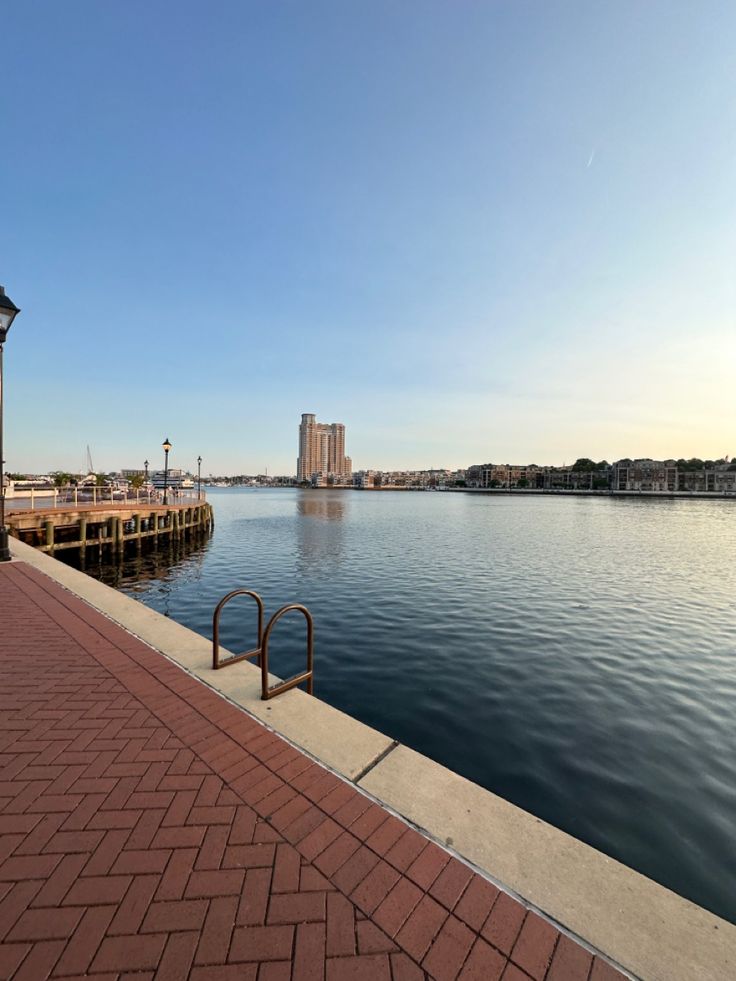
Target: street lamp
[[167, 446], [8, 310], [199, 478], [145, 464]]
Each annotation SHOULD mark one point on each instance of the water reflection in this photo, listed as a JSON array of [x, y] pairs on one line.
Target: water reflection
[[329, 506], [320, 533], [161, 570]]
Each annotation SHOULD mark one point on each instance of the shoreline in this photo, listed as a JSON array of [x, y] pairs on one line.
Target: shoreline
[[510, 491]]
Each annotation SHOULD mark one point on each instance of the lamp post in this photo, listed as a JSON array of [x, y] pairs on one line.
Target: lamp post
[[167, 446], [199, 478], [8, 310], [145, 464]]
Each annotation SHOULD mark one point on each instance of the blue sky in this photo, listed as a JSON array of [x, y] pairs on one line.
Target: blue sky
[[470, 231]]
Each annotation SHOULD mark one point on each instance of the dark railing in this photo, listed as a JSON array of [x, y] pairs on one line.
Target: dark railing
[[260, 652], [296, 679], [217, 662]]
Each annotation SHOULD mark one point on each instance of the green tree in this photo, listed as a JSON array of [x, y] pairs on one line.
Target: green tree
[[583, 463], [137, 481], [62, 478], [522, 482]]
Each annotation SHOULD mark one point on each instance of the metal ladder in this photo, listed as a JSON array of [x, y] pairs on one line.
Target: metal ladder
[[260, 651]]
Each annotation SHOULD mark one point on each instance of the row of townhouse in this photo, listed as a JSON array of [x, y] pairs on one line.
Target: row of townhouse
[[666, 475], [365, 479], [488, 475], [625, 475]]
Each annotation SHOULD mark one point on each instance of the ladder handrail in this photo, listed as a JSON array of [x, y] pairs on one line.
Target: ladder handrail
[[256, 652], [296, 679]]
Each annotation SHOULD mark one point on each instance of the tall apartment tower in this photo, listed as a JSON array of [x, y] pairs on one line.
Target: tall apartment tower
[[321, 448]]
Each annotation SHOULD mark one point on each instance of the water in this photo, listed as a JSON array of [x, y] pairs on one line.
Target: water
[[576, 656]]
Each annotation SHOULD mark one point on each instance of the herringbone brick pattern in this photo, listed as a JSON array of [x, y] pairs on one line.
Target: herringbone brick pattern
[[152, 829]]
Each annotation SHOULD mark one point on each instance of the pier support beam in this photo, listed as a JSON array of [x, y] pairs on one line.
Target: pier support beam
[[86, 528]]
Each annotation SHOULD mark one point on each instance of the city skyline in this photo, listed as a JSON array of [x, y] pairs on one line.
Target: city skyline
[[323, 438], [503, 226]]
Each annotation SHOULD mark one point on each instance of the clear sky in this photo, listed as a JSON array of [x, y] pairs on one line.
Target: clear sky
[[471, 231]]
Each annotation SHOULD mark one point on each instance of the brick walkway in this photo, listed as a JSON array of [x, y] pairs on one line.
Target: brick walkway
[[152, 829]]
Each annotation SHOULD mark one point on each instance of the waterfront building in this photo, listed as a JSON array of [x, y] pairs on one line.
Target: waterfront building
[[573, 478], [366, 479], [489, 475], [321, 478], [503, 475], [322, 450], [645, 475], [719, 479], [674, 475]]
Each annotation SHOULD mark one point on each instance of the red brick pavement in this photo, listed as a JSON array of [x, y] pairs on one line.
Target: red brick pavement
[[152, 829]]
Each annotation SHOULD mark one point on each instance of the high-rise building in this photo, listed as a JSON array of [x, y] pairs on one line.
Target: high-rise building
[[321, 449]]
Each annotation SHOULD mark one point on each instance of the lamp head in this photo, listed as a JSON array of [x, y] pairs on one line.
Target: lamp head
[[8, 310], [166, 445]]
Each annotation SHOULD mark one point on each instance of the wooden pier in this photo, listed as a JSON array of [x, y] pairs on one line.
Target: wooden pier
[[110, 527]]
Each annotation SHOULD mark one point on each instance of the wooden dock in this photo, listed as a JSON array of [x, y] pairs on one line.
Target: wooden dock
[[110, 527]]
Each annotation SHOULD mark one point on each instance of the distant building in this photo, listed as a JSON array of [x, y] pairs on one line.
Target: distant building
[[531, 476], [669, 475], [645, 475], [571, 478], [322, 479], [503, 475], [322, 451], [366, 479]]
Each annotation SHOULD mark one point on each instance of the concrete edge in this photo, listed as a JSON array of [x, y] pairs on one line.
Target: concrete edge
[[639, 925]]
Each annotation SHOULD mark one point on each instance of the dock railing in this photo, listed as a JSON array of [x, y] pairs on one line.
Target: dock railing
[[56, 498]]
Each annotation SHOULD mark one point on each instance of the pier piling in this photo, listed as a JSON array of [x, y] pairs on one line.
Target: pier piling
[[108, 526]]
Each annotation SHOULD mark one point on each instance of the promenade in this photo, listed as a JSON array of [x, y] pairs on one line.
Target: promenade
[[152, 828]]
